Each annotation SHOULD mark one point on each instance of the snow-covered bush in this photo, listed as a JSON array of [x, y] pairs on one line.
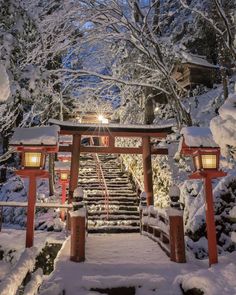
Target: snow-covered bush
[[223, 127]]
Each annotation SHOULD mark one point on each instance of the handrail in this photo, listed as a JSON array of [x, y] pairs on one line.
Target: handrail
[[165, 226], [102, 180], [39, 205]]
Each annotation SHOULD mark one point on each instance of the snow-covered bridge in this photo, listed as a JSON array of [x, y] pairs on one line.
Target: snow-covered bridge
[[114, 261]]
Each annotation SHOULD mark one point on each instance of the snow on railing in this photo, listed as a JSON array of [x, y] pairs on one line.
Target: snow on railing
[[165, 226], [13, 280], [36, 281]]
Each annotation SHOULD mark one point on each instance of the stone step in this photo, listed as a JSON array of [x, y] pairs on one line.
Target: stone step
[[110, 189], [107, 176], [119, 208], [127, 204], [91, 193], [111, 198], [123, 201], [113, 217], [109, 183], [104, 168], [112, 212], [101, 223], [113, 229]]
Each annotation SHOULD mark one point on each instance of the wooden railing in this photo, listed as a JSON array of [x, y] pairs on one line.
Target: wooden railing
[[165, 226]]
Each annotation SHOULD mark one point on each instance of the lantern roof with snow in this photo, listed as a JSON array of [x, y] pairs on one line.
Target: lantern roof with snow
[[195, 138], [36, 137]]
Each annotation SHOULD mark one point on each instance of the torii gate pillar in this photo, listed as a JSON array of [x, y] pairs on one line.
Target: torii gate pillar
[[147, 170], [74, 168]]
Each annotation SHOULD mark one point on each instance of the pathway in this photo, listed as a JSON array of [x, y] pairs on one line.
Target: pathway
[[116, 260]]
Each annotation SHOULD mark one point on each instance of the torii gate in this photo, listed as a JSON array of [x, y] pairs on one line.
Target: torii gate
[[111, 131]]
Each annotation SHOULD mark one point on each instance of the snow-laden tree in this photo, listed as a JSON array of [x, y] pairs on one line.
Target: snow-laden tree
[[34, 38], [126, 36]]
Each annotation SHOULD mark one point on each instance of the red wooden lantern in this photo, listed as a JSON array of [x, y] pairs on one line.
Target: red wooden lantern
[[34, 144], [63, 170], [199, 144]]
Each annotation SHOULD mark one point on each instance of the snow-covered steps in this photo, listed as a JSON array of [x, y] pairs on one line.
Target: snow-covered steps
[[123, 214]]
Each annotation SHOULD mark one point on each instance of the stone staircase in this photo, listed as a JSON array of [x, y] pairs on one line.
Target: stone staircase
[[123, 200]]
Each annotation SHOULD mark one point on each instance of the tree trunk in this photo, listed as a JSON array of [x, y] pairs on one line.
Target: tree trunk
[[224, 83], [148, 107]]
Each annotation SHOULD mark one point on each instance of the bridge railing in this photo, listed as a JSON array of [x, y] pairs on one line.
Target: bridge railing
[[24, 267], [165, 226]]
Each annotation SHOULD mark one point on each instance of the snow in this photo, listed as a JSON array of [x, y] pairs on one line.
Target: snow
[[232, 212], [132, 260], [78, 192], [8, 238], [110, 125], [197, 60], [36, 280], [198, 137], [116, 260], [82, 212], [13, 280], [47, 135], [39, 205], [4, 84], [223, 126], [219, 279], [174, 191], [174, 212]]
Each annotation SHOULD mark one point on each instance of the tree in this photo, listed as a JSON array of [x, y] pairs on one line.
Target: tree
[[139, 58]]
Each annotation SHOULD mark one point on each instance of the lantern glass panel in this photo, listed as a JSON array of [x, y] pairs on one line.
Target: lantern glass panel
[[209, 161], [64, 176], [32, 159], [197, 163]]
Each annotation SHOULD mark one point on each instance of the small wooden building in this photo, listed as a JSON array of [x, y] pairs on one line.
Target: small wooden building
[[195, 70]]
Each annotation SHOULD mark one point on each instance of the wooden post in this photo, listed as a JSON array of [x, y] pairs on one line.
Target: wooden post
[[74, 168], [31, 212], [78, 230], [111, 141], [177, 244], [210, 222], [147, 170], [63, 198]]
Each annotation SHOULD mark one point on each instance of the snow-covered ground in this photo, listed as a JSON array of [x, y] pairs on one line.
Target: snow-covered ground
[[12, 244], [126, 260]]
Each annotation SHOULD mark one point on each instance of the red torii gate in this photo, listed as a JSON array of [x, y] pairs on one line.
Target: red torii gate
[[111, 131]]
